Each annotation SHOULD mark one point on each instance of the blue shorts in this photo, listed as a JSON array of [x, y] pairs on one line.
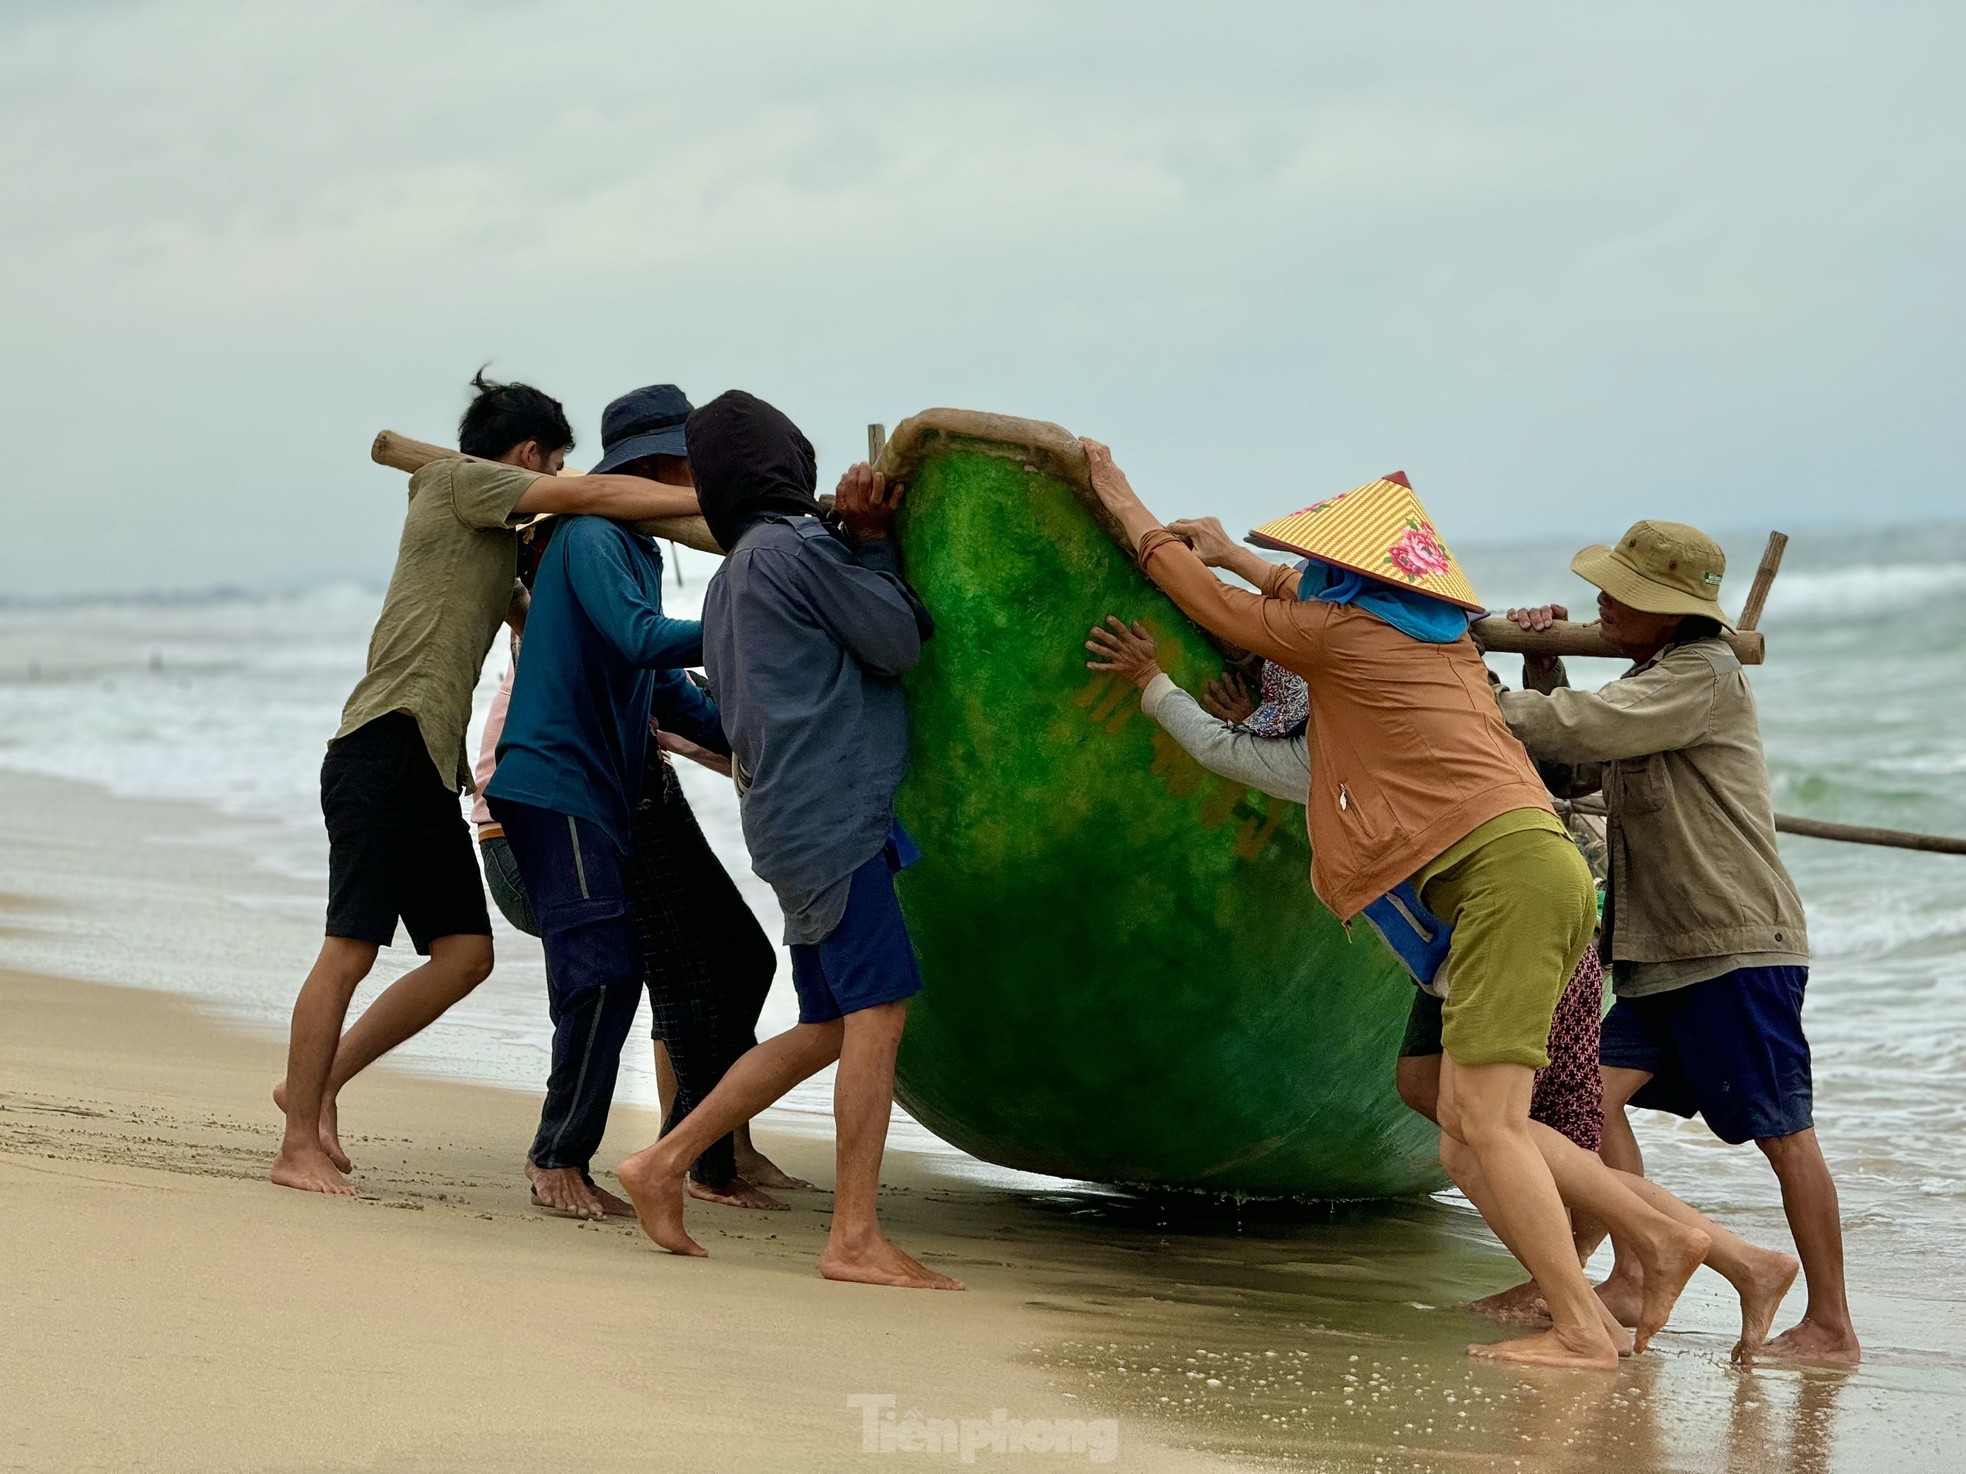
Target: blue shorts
[[1730, 1050], [868, 960]]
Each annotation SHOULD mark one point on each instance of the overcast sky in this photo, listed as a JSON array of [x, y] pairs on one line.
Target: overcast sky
[[1566, 264]]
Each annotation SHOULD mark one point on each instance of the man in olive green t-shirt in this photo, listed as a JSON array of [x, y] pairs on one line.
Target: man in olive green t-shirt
[[398, 847]]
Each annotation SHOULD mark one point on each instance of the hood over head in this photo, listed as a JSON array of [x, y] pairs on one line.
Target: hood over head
[[749, 460]]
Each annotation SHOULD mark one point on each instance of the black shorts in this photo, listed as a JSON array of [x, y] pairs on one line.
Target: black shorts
[[398, 845], [1423, 1026]]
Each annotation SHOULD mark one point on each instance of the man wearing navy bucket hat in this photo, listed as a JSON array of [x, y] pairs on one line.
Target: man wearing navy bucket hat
[[643, 423], [623, 886]]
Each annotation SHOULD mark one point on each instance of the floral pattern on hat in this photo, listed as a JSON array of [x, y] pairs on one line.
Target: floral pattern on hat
[[1418, 553]]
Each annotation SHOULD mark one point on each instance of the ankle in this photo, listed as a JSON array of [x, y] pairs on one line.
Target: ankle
[[854, 1237]]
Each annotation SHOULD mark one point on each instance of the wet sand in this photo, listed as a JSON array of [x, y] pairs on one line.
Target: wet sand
[[172, 1310]]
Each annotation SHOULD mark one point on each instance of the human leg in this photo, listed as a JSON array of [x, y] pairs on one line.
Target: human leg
[[1485, 1130], [1746, 1062], [1825, 1333], [304, 1161], [863, 1096], [574, 877], [398, 847], [1417, 1074], [1636, 1055], [412, 1003], [1522, 908], [677, 927], [867, 966], [654, 1177]]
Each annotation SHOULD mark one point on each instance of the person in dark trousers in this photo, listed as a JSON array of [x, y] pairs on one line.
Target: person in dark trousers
[[617, 875], [398, 848], [807, 630]]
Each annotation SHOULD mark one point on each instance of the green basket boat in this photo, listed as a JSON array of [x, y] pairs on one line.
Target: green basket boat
[[1128, 978]]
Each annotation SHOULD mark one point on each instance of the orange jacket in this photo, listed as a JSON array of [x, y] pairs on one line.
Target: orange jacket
[[1409, 752]]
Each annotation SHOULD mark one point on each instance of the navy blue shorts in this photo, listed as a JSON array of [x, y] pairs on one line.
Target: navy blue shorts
[[1730, 1050], [868, 960]]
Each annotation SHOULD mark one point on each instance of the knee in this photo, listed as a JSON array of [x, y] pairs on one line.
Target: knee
[[467, 960], [822, 1042], [1455, 1158]]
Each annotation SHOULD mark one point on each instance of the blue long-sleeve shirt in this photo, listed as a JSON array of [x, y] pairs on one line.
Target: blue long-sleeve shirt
[[599, 657], [804, 641]]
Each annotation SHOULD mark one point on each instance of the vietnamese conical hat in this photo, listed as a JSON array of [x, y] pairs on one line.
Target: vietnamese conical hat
[[1380, 530]]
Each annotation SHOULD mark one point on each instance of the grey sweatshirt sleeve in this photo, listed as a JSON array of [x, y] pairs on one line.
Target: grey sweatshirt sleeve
[[1279, 766]]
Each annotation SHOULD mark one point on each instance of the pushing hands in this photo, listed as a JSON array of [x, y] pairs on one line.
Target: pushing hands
[[1227, 698], [866, 500], [1126, 649], [1209, 539]]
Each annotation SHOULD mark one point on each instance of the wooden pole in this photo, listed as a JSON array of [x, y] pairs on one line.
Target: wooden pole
[[876, 443], [1896, 839], [1498, 634], [400, 453], [1764, 577]]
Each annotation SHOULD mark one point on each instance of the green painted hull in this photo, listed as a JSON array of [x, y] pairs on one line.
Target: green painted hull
[[1128, 979]]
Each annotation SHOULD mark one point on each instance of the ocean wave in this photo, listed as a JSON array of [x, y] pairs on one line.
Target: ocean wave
[[1866, 589]]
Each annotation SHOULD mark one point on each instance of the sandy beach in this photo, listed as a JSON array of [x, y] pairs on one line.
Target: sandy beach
[[169, 1309]]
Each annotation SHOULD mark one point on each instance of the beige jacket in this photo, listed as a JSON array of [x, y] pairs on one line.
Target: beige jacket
[[1676, 749]]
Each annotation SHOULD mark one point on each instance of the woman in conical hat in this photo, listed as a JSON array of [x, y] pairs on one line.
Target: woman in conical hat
[[1418, 788]]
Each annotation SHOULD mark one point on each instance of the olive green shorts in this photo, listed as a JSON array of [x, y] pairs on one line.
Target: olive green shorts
[[1523, 907]]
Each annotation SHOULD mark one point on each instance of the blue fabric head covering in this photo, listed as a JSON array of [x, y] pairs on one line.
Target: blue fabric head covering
[[1422, 616]]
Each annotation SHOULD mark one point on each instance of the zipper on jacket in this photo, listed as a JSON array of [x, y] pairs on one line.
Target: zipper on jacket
[[1344, 798]]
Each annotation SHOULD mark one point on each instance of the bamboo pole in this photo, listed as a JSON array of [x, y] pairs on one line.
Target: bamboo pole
[[1764, 577], [401, 453], [1500, 635], [1896, 839]]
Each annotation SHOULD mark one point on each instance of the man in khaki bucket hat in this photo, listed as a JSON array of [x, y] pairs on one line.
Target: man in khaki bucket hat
[[1658, 568], [1703, 931]]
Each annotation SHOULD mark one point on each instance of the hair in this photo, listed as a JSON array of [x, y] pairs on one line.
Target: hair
[[1696, 627], [505, 415]]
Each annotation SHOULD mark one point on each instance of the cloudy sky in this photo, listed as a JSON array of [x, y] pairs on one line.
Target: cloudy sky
[[1566, 264]]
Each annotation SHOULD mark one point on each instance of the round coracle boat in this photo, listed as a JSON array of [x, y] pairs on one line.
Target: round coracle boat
[[1129, 980]]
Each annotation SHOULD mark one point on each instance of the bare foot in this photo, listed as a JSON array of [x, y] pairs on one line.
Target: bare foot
[[564, 1190], [1523, 1304], [1592, 1352], [330, 1128], [308, 1169], [740, 1194], [1668, 1262], [656, 1189], [1620, 1337], [1814, 1344], [1623, 1297], [760, 1171], [614, 1207], [1770, 1275], [879, 1262]]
